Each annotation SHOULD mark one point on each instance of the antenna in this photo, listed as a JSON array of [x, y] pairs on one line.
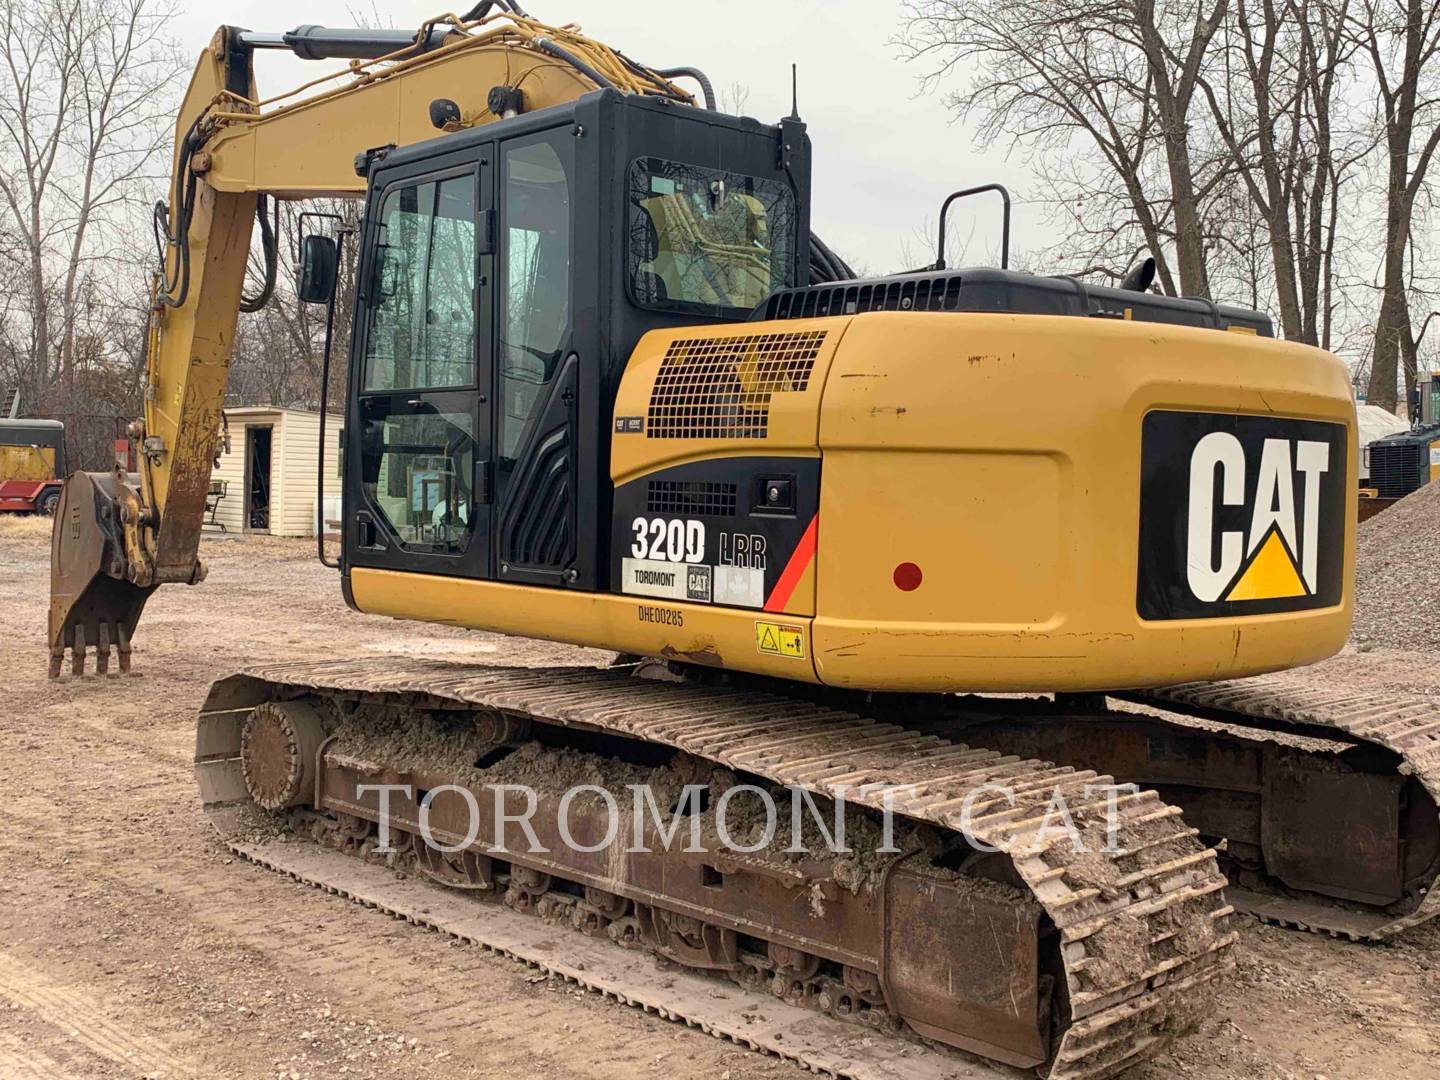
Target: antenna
[[791, 128]]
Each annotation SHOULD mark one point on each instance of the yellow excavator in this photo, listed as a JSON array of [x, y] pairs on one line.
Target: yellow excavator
[[606, 387]]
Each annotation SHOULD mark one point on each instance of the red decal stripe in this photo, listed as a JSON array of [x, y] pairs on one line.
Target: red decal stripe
[[795, 568]]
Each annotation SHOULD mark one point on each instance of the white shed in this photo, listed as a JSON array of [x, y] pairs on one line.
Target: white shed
[[268, 474]]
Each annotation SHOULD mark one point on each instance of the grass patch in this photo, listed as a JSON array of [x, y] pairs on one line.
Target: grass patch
[[15, 526]]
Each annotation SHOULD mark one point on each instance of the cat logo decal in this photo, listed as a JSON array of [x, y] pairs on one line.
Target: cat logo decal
[[1239, 515]]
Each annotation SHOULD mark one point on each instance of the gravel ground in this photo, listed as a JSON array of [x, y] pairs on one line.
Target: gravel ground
[[132, 944], [1397, 574]]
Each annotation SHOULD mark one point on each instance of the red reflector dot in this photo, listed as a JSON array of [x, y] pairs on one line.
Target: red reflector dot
[[907, 577]]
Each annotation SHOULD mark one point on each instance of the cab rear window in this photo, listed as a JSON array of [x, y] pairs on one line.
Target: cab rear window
[[707, 240]]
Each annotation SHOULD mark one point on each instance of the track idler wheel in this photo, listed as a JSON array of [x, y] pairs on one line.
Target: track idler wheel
[[278, 745]]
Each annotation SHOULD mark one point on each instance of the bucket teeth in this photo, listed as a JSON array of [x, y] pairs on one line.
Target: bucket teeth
[[105, 636]]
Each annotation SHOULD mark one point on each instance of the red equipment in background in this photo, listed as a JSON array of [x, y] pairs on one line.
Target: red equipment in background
[[32, 465]]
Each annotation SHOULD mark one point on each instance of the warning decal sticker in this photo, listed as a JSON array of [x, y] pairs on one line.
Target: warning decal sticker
[[780, 639]]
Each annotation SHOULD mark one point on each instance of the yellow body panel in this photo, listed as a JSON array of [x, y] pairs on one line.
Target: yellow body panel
[[249, 156], [27, 463], [794, 416], [1001, 454], [694, 633]]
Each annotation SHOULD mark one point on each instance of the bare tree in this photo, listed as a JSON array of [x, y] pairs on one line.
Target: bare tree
[[278, 349], [1272, 93], [734, 98], [1227, 138], [85, 118], [1117, 77], [1401, 40]]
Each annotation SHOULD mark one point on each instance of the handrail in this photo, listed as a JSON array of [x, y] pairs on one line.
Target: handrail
[[1005, 227]]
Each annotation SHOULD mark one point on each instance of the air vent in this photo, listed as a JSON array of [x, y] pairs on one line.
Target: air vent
[[720, 388], [1007, 291], [918, 293], [691, 498]]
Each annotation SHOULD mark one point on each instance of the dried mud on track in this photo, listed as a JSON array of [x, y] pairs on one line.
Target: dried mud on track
[[133, 945]]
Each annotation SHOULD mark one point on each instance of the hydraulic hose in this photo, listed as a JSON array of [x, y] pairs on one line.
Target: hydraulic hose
[[269, 245], [480, 10], [707, 90], [174, 291], [562, 53], [826, 265]]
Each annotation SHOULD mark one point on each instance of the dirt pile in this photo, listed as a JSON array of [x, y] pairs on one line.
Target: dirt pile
[[1397, 574]]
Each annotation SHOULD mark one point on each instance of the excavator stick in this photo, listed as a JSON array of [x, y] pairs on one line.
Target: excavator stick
[[93, 600]]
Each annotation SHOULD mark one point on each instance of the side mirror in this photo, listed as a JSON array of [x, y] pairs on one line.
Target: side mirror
[[319, 266]]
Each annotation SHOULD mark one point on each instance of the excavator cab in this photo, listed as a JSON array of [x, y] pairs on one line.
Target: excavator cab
[[506, 275]]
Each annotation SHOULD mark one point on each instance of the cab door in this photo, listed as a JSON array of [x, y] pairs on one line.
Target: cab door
[[420, 438]]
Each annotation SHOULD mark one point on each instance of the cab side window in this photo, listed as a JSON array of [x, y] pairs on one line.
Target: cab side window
[[422, 289], [417, 405]]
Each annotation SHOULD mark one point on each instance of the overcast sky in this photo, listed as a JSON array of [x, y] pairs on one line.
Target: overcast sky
[[884, 154]]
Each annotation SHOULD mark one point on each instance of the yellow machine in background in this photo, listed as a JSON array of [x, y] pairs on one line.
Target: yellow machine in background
[[607, 387], [27, 463], [1408, 460], [32, 464]]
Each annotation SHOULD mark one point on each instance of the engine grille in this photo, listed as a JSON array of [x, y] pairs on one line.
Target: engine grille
[[1002, 291], [691, 498], [1399, 465], [720, 388], [920, 293]]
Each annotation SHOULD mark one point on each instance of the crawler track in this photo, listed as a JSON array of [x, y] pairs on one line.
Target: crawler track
[[1140, 932], [1327, 802], [819, 1044], [1407, 726]]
